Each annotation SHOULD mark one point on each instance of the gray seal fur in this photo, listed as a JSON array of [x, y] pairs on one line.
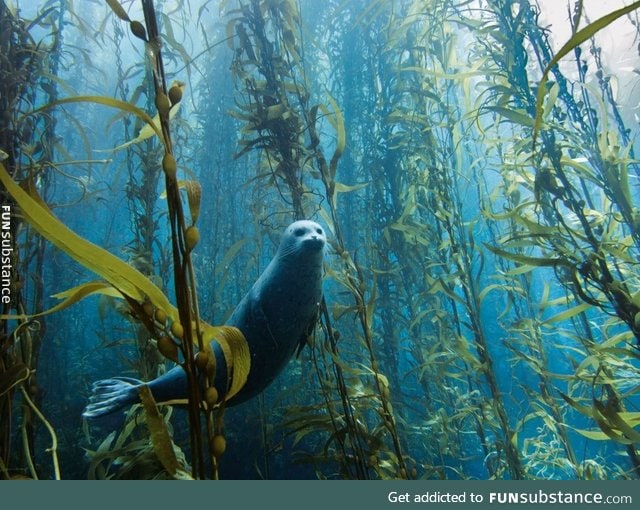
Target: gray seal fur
[[275, 316]]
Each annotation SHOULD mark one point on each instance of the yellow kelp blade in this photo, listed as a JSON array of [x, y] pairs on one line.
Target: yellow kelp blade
[[72, 296], [160, 437], [338, 123], [614, 423], [122, 276], [194, 196], [236, 354]]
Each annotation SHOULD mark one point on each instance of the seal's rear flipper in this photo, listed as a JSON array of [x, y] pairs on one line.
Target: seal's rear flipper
[[110, 395]]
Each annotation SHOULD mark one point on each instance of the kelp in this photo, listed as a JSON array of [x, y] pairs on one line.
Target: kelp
[[266, 61], [183, 240], [128, 281], [568, 234], [160, 438], [408, 213], [130, 454], [406, 173], [143, 181], [27, 71], [576, 40], [482, 293]]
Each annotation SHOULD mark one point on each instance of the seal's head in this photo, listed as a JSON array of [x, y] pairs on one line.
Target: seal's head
[[303, 238]]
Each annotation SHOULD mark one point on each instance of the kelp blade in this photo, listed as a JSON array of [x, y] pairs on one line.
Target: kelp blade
[[122, 276], [236, 353]]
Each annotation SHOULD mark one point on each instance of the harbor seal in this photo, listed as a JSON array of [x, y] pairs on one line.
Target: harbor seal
[[275, 316]]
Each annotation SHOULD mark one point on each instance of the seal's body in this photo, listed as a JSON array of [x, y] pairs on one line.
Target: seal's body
[[275, 317]]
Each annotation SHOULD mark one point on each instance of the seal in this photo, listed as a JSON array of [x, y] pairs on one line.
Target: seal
[[275, 316]]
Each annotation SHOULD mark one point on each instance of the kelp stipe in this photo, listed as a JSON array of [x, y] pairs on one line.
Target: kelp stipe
[[183, 240]]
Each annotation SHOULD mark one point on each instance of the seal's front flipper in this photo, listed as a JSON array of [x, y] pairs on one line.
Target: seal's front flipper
[[110, 395]]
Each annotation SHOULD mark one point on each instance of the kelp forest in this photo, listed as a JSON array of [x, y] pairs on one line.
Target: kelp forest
[[471, 161]]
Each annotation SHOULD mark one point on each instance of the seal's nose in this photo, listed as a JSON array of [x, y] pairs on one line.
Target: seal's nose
[[314, 241]]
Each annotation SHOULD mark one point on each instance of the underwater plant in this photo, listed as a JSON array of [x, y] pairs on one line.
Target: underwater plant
[[578, 232], [27, 70], [475, 172]]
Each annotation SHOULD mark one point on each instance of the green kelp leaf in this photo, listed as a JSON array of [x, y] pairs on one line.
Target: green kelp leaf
[[170, 39], [122, 276], [567, 314], [236, 354], [72, 296], [584, 410], [551, 101], [624, 163], [583, 170], [222, 270], [306, 423], [344, 188], [339, 187], [595, 435], [275, 112], [576, 40], [337, 121], [439, 285], [194, 197], [160, 438], [499, 287], [472, 72], [624, 337], [510, 213], [229, 256], [631, 417], [616, 177], [613, 434], [338, 310], [413, 234], [515, 116], [371, 303], [520, 269], [527, 260], [615, 423]]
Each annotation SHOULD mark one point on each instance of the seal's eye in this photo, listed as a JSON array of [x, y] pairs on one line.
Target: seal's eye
[[319, 231], [298, 232]]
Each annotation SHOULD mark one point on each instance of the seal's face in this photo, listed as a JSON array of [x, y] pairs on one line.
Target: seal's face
[[302, 237]]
